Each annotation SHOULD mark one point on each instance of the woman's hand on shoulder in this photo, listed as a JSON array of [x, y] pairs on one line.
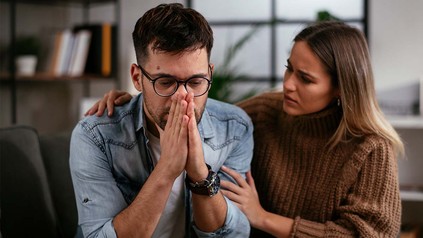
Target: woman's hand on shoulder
[[110, 100]]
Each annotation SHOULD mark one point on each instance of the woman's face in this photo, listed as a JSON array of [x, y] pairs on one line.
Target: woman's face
[[307, 85]]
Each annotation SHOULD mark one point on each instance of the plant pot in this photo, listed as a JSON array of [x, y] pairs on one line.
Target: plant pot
[[26, 64]]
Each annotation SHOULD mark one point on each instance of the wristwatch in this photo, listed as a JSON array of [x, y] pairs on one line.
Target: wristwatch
[[209, 186]]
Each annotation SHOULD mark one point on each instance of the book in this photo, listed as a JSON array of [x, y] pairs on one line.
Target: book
[[63, 54], [79, 55], [101, 58], [55, 54]]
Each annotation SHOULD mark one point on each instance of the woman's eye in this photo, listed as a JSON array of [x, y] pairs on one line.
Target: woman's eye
[[289, 68], [305, 80]]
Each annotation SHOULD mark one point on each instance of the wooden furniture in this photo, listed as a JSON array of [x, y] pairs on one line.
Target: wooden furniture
[[26, 99]]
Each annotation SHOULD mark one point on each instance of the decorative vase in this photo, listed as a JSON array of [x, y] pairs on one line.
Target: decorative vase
[[26, 64]]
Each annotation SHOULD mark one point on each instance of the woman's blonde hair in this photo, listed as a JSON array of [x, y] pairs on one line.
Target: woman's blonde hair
[[344, 51]]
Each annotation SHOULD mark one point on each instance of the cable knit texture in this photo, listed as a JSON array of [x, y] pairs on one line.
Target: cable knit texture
[[349, 191]]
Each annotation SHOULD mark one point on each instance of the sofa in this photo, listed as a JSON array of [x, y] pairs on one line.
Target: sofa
[[37, 196]]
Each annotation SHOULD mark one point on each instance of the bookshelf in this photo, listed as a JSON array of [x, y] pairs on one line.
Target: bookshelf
[[404, 122], [42, 18], [410, 129]]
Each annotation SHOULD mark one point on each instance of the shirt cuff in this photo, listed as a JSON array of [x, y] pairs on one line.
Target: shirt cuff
[[236, 224]]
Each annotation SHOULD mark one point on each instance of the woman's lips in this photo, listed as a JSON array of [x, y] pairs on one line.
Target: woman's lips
[[288, 99]]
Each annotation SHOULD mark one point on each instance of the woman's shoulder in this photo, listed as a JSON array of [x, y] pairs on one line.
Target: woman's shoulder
[[373, 146], [271, 100]]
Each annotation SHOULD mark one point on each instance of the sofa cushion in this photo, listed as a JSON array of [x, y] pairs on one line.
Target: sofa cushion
[[26, 204], [55, 151]]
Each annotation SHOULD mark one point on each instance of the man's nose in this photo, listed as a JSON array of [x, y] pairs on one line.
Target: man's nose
[[181, 88]]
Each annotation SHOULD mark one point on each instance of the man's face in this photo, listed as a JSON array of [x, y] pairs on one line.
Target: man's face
[[180, 66]]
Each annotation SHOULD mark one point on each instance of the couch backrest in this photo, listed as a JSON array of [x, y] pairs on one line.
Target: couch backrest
[[27, 208], [55, 151]]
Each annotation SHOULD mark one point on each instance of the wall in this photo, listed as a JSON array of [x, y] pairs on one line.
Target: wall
[[396, 41]]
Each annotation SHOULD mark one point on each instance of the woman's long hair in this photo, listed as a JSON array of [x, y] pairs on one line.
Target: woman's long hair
[[344, 51]]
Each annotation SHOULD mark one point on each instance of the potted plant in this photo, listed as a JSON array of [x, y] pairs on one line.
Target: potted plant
[[226, 74], [27, 49]]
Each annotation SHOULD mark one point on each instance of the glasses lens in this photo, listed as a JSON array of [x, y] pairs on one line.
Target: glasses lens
[[198, 86], [165, 86]]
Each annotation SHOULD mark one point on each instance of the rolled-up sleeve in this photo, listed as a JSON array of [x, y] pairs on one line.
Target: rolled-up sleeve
[[98, 198]]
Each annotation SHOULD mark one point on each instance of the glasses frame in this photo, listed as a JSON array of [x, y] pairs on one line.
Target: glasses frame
[[178, 82]]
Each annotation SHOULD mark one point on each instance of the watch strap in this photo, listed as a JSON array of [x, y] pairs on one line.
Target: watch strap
[[209, 186]]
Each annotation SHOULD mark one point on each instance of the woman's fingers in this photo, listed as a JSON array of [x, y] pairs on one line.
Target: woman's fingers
[[117, 98], [102, 105], [110, 100], [250, 180], [231, 191], [92, 110], [238, 178], [122, 98]]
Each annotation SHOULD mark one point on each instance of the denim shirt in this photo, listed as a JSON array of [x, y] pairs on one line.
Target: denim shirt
[[110, 162]]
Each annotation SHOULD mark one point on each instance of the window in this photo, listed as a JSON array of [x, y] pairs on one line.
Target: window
[[263, 56]]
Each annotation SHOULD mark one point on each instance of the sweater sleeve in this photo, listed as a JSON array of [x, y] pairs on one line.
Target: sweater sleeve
[[372, 206]]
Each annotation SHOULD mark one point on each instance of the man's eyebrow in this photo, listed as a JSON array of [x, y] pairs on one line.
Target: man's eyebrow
[[198, 75]]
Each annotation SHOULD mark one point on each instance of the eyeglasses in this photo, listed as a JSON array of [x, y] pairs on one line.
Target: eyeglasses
[[166, 86]]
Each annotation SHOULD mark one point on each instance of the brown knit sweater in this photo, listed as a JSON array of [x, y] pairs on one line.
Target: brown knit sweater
[[347, 192]]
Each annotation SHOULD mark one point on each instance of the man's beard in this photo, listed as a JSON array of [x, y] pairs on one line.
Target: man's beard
[[161, 121]]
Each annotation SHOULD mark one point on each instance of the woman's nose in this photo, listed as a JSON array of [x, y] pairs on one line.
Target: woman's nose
[[288, 83]]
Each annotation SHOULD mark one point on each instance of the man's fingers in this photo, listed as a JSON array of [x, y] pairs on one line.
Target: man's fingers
[[159, 129], [171, 113], [183, 132]]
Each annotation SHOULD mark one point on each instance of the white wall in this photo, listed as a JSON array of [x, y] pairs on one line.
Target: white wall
[[396, 41]]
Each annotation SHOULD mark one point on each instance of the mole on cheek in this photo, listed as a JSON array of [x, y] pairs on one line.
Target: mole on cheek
[[158, 67]]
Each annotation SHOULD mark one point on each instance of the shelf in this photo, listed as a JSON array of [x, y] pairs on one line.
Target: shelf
[[404, 122], [46, 77], [411, 196], [61, 2]]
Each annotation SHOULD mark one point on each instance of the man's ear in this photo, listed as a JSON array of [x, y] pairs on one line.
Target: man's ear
[[136, 77], [212, 68]]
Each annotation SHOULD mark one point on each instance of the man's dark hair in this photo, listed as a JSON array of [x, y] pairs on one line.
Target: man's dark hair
[[173, 29]]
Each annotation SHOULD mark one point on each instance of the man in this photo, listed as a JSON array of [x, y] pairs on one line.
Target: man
[[150, 169]]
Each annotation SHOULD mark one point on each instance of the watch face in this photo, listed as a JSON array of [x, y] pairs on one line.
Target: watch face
[[209, 186], [214, 186]]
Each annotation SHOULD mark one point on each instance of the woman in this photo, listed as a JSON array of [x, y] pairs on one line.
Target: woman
[[325, 157], [325, 165]]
